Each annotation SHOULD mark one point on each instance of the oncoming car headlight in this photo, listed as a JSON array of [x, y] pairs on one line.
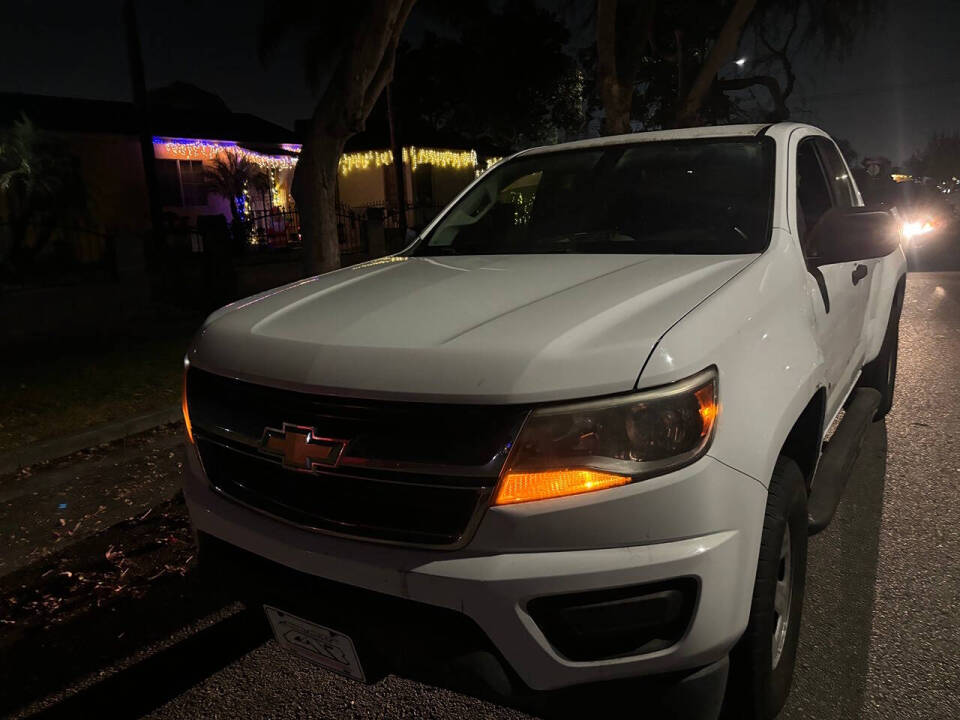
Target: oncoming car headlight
[[580, 447], [914, 228]]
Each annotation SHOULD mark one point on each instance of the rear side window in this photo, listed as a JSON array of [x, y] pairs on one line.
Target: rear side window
[[837, 174], [813, 193]]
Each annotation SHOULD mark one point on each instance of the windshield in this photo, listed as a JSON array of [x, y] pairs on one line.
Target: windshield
[[709, 197]]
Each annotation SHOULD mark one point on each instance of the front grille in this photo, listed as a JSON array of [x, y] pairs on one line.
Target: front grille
[[413, 473]]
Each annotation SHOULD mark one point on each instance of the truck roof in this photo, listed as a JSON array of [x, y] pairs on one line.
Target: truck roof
[[714, 131]]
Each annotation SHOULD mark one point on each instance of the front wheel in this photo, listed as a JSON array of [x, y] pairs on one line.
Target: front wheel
[[881, 372], [762, 663]]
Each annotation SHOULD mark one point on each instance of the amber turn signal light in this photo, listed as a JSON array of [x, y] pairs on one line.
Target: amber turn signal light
[[517, 487], [186, 411], [707, 399]]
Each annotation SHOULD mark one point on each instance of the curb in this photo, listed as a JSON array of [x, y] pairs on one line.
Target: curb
[[13, 460]]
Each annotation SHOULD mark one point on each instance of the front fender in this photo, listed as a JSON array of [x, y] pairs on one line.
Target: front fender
[[888, 273], [758, 330]]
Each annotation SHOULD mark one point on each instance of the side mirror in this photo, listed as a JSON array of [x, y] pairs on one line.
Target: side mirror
[[848, 234]]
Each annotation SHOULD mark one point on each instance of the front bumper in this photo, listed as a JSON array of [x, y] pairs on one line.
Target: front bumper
[[701, 522]]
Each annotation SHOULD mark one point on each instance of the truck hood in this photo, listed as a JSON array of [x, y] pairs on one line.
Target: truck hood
[[491, 329]]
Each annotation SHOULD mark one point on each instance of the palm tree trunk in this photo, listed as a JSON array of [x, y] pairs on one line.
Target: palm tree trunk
[[315, 191]]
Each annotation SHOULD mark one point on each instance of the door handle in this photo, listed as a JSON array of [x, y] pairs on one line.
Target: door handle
[[859, 273]]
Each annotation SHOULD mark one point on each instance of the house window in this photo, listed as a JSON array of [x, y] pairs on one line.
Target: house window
[[180, 183], [191, 180], [168, 183], [423, 185]]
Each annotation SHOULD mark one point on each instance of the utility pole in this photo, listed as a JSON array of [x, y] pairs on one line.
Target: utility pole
[[139, 88], [397, 148]]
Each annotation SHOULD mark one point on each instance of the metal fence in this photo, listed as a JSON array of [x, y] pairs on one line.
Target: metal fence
[[277, 232], [418, 216], [280, 229], [55, 254], [352, 229], [274, 229]]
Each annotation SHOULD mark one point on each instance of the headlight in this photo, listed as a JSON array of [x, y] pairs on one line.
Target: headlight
[[912, 229], [575, 448]]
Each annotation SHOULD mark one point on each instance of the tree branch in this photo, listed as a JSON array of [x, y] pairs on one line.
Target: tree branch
[[769, 82], [384, 72], [722, 50], [782, 53]]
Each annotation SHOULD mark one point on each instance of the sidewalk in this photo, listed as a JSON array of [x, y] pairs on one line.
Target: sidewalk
[[47, 507]]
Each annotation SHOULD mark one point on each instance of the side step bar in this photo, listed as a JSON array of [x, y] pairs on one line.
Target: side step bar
[[837, 460]]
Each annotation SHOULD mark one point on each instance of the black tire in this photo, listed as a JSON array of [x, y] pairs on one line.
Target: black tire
[[881, 372], [759, 685]]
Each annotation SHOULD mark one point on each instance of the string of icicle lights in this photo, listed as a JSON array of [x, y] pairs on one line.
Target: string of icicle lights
[[412, 156], [196, 149]]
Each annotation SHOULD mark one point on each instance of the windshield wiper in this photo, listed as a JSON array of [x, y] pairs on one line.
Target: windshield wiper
[[578, 237]]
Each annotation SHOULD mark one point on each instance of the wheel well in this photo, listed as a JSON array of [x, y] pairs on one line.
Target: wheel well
[[803, 441]]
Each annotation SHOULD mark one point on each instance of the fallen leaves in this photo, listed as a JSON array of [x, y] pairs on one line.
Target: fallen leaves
[[121, 561]]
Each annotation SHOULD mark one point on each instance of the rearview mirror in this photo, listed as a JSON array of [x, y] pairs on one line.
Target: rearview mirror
[[848, 234]]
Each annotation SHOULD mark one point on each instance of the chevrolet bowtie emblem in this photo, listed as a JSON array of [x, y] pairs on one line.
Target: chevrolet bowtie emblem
[[300, 448]]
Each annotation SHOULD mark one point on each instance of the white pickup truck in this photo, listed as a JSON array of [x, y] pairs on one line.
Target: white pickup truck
[[574, 434]]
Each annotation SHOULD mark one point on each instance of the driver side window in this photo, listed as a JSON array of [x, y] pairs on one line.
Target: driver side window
[[813, 193]]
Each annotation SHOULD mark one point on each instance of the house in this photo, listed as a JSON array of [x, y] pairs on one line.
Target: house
[[100, 139], [436, 167], [190, 131], [103, 137], [107, 262], [432, 178], [183, 165]]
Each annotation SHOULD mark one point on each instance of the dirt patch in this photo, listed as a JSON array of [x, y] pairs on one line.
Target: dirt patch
[[118, 563]]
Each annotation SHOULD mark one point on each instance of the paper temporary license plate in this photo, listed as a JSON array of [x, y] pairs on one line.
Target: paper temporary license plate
[[325, 647]]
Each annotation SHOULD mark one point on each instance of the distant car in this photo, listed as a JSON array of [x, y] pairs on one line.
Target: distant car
[[573, 434], [928, 220]]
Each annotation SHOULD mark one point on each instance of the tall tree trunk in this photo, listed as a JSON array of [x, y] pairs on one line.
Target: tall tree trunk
[[139, 88], [315, 189], [722, 51], [355, 83], [615, 95], [624, 31], [397, 146]]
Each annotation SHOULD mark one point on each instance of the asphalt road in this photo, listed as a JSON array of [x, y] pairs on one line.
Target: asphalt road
[[881, 625]]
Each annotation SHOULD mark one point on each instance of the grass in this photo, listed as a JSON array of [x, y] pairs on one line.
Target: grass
[[71, 387]]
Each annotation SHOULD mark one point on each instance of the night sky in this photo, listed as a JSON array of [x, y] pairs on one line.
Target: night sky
[[899, 83]]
